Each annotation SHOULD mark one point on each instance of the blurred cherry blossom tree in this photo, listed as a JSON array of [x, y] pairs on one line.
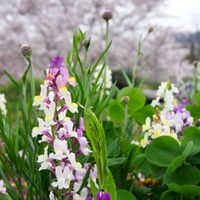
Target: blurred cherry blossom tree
[[48, 27]]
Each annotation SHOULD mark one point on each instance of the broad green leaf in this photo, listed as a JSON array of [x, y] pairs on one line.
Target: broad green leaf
[[125, 195], [184, 175], [136, 98], [162, 151], [170, 195], [186, 152], [191, 134], [142, 165], [179, 160], [141, 115], [116, 111], [190, 190], [194, 160], [194, 111], [197, 98], [186, 190]]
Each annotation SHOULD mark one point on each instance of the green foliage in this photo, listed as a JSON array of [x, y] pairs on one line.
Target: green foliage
[[162, 151], [136, 98], [96, 136], [123, 194], [116, 111], [141, 115]]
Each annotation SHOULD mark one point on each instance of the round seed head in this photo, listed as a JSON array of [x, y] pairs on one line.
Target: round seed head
[[107, 15]]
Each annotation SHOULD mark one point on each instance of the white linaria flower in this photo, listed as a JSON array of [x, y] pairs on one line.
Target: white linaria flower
[[162, 89], [60, 149], [72, 107], [3, 104], [51, 196], [39, 100], [135, 142], [49, 114], [84, 146], [155, 102], [105, 78], [44, 160], [72, 81], [76, 165], [2, 187], [68, 128], [41, 128], [77, 186], [147, 126], [83, 195], [145, 140], [64, 177]]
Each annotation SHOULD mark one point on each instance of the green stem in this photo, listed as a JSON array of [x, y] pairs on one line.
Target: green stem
[[85, 57], [106, 57], [125, 118], [32, 80], [137, 57], [195, 78]]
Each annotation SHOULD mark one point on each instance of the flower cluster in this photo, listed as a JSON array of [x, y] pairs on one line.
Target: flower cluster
[[62, 134], [3, 104], [171, 117]]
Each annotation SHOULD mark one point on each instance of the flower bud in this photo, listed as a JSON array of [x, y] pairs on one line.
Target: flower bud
[[26, 50], [86, 44], [197, 123], [125, 100], [107, 15], [195, 63], [151, 29]]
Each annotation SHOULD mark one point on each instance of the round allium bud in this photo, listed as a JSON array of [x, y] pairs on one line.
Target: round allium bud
[[197, 123], [125, 100], [107, 15], [151, 29], [26, 50], [195, 63]]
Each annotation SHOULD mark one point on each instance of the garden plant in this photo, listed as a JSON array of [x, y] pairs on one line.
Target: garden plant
[[78, 136]]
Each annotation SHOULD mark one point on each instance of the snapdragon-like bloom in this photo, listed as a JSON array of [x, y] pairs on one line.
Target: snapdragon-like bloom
[[3, 104], [62, 134], [170, 119], [103, 196], [2, 187], [166, 93]]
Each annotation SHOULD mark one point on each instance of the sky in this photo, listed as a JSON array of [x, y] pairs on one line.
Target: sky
[[185, 14]]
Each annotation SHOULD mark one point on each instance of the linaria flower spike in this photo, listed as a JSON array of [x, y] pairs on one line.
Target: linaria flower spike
[[63, 136]]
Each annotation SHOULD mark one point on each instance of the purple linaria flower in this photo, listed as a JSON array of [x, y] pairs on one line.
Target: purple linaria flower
[[57, 62], [102, 196]]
